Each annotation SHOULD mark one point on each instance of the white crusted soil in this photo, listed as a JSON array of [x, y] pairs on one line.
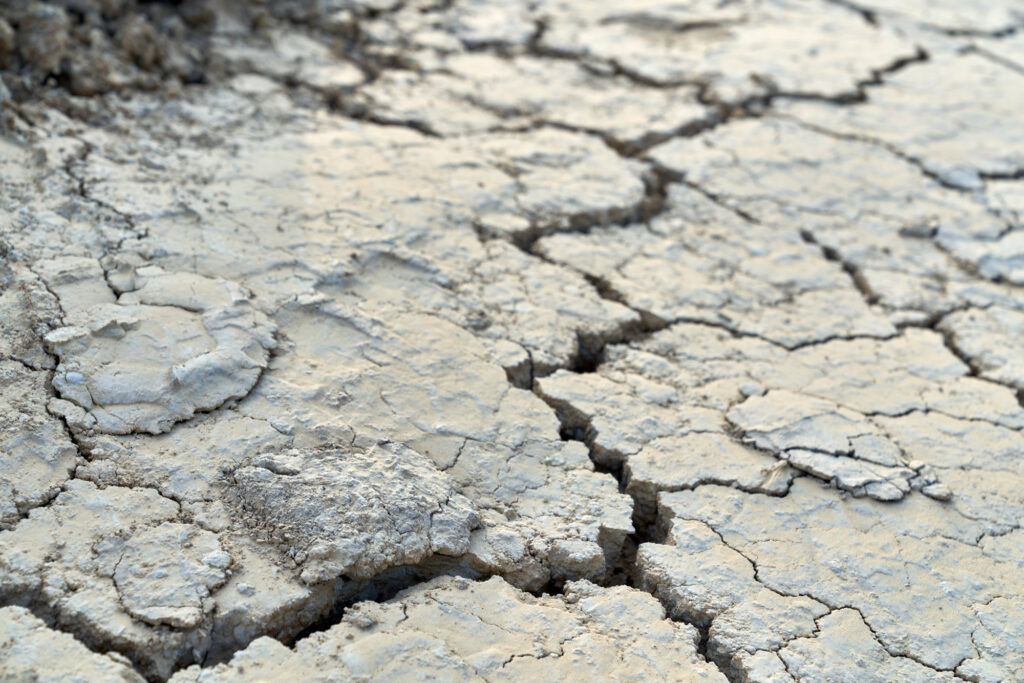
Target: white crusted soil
[[489, 339]]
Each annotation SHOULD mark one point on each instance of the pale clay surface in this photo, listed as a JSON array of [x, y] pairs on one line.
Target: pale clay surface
[[504, 340]]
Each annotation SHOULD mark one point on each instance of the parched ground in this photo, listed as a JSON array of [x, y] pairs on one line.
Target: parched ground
[[512, 340]]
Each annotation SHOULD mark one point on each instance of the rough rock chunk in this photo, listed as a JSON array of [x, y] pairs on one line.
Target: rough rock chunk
[[7, 43], [353, 512], [43, 36], [485, 631], [421, 380]]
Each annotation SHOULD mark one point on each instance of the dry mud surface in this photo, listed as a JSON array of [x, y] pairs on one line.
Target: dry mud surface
[[512, 340]]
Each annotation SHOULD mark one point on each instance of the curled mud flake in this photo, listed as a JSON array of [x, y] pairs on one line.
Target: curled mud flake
[[830, 442], [176, 345]]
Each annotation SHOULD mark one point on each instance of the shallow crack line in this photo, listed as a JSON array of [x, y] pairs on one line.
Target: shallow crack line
[[926, 410], [972, 270], [807, 594], [675, 176], [738, 333], [892, 149], [590, 353], [365, 114], [881, 644], [947, 341], [757, 106], [873, 18], [995, 57], [82, 192], [611, 67], [633, 149]]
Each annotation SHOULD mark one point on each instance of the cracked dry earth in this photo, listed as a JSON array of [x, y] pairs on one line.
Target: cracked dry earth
[[507, 339]]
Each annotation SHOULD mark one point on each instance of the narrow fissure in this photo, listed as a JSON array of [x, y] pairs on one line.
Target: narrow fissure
[[856, 277], [383, 587]]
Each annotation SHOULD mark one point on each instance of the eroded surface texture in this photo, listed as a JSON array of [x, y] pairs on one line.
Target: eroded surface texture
[[494, 339], [354, 513]]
